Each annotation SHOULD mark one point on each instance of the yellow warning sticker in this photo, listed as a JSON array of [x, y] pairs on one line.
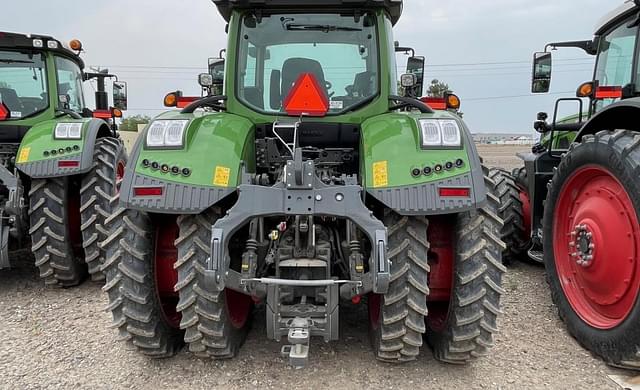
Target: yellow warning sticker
[[24, 155], [221, 176], [380, 174]]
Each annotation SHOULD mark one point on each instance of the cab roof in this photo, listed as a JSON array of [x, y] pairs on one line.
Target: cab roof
[[621, 12], [11, 40], [226, 7]]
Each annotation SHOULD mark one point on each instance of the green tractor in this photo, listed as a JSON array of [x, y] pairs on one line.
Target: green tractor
[[60, 162], [581, 189], [310, 186]]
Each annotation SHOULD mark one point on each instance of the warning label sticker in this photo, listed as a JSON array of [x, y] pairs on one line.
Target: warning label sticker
[[24, 155], [380, 174], [221, 176]]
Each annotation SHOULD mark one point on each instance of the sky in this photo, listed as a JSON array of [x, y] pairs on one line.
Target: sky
[[482, 49]]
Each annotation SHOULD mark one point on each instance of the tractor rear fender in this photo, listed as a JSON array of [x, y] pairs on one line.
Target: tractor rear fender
[[621, 115], [393, 155], [42, 155], [217, 148]]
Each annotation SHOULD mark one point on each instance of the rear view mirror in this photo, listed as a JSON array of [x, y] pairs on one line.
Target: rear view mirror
[[120, 95], [415, 66], [542, 66], [216, 70]]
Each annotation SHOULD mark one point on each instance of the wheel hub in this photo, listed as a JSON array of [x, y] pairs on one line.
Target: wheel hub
[[584, 245]]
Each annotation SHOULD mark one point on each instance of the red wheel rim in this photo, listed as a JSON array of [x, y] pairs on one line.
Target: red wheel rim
[[596, 246], [74, 221], [166, 277], [441, 234], [119, 174], [238, 307], [526, 213]]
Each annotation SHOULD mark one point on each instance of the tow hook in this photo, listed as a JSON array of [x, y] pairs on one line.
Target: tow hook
[[298, 349]]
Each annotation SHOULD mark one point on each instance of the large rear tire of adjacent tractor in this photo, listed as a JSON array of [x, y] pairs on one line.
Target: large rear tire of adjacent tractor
[[140, 281], [592, 244], [465, 330], [397, 319], [215, 323], [54, 213], [98, 186], [513, 210]]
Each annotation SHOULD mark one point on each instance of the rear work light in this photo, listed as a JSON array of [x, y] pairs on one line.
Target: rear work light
[[455, 192], [147, 191]]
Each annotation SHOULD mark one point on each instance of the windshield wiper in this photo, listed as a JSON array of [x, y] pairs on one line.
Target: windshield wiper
[[318, 27], [5, 61]]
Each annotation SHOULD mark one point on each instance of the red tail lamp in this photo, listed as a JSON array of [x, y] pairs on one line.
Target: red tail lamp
[[102, 114], [455, 192], [307, 97], [68, 164], [608, 92], [147, 191]]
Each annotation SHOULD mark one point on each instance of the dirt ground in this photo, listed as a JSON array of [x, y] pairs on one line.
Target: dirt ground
[[54, 338]]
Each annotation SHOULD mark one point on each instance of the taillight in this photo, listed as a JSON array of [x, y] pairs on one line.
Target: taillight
[[147, 191], [68, 164], [609, 93], [102, 114], [455, 192]]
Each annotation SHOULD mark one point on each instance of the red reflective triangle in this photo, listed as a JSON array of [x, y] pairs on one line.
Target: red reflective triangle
[[4, 112], [307, 97]]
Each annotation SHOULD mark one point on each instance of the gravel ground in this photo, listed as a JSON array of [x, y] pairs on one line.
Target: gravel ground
[[53, 338]]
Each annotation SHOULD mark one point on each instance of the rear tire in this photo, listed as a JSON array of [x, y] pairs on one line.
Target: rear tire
[[467, 333], [397, 318], [215, 323], [514, 231], [599, 302], [131, 285], [99, 185], [55, 231]]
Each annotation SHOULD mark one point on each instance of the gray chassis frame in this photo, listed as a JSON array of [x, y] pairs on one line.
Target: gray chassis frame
[[300, 194]]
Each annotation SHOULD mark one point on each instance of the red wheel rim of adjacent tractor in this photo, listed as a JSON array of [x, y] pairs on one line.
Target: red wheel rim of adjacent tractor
[[526, 213], [119, 174], [596, 247], [166, 277], [442, 255], [74, 221], [238, 307]]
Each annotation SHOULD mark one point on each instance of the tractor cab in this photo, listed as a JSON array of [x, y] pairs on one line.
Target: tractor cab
[[42, 79]]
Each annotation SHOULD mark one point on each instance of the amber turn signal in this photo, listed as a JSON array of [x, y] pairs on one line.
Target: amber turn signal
[[453, 102], [585, 90], [116, 113], [171, 100]]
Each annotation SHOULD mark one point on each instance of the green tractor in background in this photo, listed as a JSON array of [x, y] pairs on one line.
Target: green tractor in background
[[60, 162], [310, 185], [580, 192]]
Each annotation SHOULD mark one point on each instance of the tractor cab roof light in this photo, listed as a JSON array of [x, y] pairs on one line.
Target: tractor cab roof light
[[38, 43]]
